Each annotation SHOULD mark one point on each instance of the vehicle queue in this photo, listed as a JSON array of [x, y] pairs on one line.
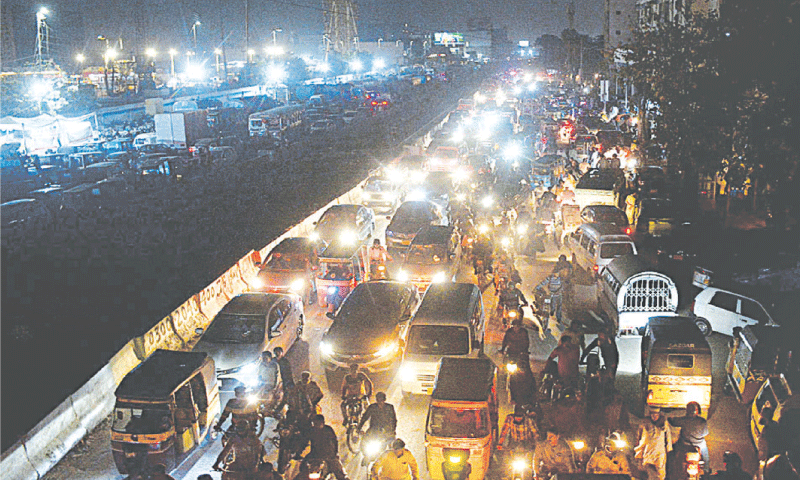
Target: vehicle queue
[[478, 212]]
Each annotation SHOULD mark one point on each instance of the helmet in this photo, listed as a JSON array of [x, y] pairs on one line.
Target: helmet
[[611, 442], [562, 258], [380, 396]]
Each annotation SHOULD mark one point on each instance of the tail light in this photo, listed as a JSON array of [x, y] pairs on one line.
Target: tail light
[[691, 307], [628, 231], [596, 268]]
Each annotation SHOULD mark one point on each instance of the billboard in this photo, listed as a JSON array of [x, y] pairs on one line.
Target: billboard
[[448, 39]]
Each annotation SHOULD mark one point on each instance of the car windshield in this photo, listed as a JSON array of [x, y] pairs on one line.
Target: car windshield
[[336, 270], [232, 328], [426, 254], [338, 216], [372, 304], [458, 423], [286, 262], [138, 421], [378, 186], [597, 180], [613, 250], [609, 215], [438, 340]]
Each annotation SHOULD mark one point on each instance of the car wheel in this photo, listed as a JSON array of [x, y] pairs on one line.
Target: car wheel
[[703, 325]]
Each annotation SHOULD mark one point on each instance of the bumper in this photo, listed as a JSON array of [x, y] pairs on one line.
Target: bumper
[[376, 365], [417, 379]]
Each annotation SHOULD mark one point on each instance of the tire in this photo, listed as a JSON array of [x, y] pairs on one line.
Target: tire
[[353, 439], [704, 326]]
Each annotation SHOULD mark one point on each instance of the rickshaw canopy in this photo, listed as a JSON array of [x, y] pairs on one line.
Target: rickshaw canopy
[[158, 377]]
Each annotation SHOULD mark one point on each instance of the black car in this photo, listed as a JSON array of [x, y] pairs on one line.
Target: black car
[[408, 219], [290, 267], [368, 327]]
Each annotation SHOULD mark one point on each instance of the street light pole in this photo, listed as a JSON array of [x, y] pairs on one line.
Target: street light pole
[[172, 53], [275, 35], [194, 34]]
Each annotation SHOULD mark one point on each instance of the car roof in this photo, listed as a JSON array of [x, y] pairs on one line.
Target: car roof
[[160, 375], [607, 232], [251, 303], [464, 379], [433, 234], [293, 245], [445, 302], [344, 207], [19, 201]]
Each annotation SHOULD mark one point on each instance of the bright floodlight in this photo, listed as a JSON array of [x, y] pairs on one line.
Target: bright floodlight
[[195, 71], [324, 67], [356, 65], [513, 151], [111, 54], [80, 58], [150, 52], [41, 89], [172, 51], [42, 13], [276, 73], [378, 64]]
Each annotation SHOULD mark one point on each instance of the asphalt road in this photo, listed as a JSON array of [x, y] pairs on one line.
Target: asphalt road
[[728, 420]]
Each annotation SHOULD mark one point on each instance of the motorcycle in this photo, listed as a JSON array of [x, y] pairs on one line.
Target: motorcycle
[[594, 389], [354, 407], [456, 465], [544, 304], [377, 271], [581, 453], [317, 469], [510, 312], [521, 466], [693, 464], [373, 443]]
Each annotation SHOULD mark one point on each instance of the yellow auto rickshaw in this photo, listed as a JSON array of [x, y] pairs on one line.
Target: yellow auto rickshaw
[[462, 417], [342, 266], [165, 408]]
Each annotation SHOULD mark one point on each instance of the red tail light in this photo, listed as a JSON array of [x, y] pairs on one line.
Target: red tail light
[[596, 268], [691, 307], [628, 231]]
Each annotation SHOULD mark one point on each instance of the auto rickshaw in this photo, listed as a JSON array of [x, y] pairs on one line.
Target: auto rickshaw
[[165, 408], [757, 352], [462, 416], [342, 266], [567, 221]]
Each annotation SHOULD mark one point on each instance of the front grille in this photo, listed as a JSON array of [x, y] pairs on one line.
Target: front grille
[[426, 378]]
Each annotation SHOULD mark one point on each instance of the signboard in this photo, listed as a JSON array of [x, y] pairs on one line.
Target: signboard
[[524, 43], [448, 39]]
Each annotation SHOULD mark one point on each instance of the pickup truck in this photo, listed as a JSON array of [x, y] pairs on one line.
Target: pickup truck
[[596, 187]]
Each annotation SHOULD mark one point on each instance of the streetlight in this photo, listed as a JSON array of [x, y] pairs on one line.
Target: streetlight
[[250, 53], [275, 36], [275, 75], [42, 34], [151, 52], [194, 33], [217, 53], [80, 58], [172, 54]]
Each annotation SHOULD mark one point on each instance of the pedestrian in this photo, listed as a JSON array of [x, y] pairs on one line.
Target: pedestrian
[[655, 442], [769, 441], [608, 351], [694, 430], [733, 468], [632, 207], [285, 369]]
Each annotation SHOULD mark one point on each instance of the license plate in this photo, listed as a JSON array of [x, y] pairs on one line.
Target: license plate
[[130, 454]]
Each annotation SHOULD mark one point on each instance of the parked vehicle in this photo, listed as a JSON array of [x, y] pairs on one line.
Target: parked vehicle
[[721, 311], [676, 364], [164, 409], [181, 129]]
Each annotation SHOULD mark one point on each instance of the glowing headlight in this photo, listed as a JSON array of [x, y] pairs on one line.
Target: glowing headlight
[[387, 350], [402, 276], [505, 242], [372, 448], [407, 373], [257, 282], [487, 201], [314, 475], [325, 348], [297, 286], [252, 399], [461, 197], [332, 290], [348, 237], [512, 368], [248, 374], [454, 459], [439, 278], [578, 445], [620, 444], [483, 229], [416, 195], [519, 464], [313, 236], [512, 314], [522, 228]]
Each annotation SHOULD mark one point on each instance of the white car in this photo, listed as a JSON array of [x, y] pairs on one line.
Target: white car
[[721, 311]]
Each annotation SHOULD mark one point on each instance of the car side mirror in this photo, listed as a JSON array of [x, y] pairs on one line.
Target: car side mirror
[[198, 331], [313, 223], [331, 315]]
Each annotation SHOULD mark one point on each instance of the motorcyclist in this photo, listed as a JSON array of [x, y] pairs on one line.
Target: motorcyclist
[[568, 356], [241, 410], [243, 452], [324, 446], [517, 433], [512, 298], [355, 385], [309, 392], [553, 455], [521, 383], [395, 464], [609, 459], [516, 341], [554, 284], [377, 256], [381, 416], [694, 430], [563, 266], [482, 253], [267, 372]]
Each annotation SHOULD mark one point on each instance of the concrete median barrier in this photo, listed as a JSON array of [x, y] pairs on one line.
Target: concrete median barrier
[[95, 399], [15, 464], [53, 437], [160, 336], [248, 268], [123, 362], [186, 319], [220, 291]]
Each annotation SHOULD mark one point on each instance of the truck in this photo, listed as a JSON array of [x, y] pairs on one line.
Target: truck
[[596, 187], [275, 122], [181, 129]]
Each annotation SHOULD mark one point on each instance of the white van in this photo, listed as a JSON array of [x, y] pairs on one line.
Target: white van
[[593, 245], [449, 322], [144, 139], [629, 292]]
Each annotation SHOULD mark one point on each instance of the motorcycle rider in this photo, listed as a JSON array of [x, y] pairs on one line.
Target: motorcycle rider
[[324, 446], [521, 383], [381, 416], [609, 459], [518, 433], [245, 448], [610, 354], [395, 464], [241, 410], [553, 455], [377, 256], [511, 298], [568, 356], [694, 430], [355, 385], [563, 266], [267, 372], [554, 284], [309, 392], [516, 341]]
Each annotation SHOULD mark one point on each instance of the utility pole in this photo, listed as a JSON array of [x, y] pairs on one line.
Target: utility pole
[[247, 30]]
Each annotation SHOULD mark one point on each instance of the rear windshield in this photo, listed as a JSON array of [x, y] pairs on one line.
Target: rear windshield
[[680, 361], [138, 421], [614, 250], [617, 217], [597, 180], [426, 254], [458, 423], [438, 340], [228, 328]]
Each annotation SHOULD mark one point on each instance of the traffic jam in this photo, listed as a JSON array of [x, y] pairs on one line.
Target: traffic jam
[[495, 306]]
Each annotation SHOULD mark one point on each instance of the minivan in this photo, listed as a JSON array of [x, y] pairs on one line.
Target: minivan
[[449, 322], [593, 246]]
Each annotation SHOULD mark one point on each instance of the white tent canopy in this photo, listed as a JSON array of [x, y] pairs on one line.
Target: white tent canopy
[[38, 134]]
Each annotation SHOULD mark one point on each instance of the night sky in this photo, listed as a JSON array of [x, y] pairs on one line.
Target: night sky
[[76, 24]]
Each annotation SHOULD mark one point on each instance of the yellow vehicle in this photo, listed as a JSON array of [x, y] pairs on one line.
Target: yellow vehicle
[[341, 267], [676, 364], [462, 416], [757, 352], [776, 393], [165, 408]]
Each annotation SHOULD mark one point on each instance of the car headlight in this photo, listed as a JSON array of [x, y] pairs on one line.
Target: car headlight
[[519, 464], [257, 282], [252, 399], [483, 229], [522, 228], [402, 276], [487, 201], [512, 368], [578, 445], [387, 350], [326, 348], [348, 237], [439, 277], [505, 242], [407, 373], [297, 286]]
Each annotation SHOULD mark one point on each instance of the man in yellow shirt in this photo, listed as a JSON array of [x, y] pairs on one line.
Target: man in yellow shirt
[[395, 464]]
